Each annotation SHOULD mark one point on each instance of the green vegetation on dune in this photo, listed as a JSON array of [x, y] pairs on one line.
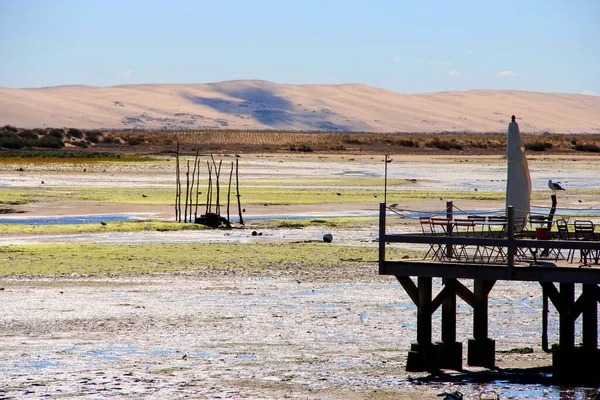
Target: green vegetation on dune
[[72, 142], [232, 258]]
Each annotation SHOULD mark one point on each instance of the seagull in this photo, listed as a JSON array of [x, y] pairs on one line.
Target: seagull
[[554, 186]]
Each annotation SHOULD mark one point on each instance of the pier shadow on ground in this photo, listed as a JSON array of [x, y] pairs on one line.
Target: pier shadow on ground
[[522, 376]]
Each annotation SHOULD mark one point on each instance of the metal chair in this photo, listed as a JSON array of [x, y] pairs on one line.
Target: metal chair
[[427, 229], [443, 227], [563, 234], [538, 220], [584, 230], [497, 221], [479, 220], [464, 228], [527, 254]]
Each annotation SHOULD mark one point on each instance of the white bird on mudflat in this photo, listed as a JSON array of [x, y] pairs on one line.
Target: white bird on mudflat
[[554, 186]]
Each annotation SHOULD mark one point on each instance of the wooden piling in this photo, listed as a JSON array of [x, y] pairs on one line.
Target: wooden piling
[[567, 320], [209, 189], [229, 192], [217, 174], [177, 187], [197, 190], [187, 189], [192, 184], [237, 188]]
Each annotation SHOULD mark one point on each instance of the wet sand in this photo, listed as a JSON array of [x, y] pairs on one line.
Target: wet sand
[[231, 336]]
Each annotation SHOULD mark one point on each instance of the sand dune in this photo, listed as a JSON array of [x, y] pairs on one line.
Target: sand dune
[[267, 105]]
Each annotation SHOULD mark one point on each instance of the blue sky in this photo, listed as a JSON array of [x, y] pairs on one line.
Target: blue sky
[[404, 46]]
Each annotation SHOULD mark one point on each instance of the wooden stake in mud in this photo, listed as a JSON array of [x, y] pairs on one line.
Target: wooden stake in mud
[[177, 187], [197, 190], [192, 185], [209, 189], [237, 188], [187, 191], [217, 173], [229, 192]]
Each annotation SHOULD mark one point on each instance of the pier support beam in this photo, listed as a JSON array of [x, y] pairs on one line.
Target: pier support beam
[[423, 354], [449, 350], [565, 357], [481, 349], [572, 363], [567, 319], [591, 296]]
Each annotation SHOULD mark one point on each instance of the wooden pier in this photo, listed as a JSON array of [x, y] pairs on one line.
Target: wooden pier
[[570, 362]]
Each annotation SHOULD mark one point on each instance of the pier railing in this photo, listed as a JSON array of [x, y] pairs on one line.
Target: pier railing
[[516, 251]]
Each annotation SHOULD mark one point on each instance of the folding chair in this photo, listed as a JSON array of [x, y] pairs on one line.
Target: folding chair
[[464, 228], [524, 253], [563, 234], [483, 230], [427, 229], [443, 227], [584, 230], [497, 253], [497, 221], [479, 220], [538, 221]]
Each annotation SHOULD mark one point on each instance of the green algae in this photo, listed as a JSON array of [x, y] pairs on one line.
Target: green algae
[[111, 259], [117, 226]]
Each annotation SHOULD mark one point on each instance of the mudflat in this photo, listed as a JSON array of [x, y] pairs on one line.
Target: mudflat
[[340, 334], [281, 331]]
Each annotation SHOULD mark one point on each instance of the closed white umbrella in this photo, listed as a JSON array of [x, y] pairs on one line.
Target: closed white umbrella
[[518, 181]]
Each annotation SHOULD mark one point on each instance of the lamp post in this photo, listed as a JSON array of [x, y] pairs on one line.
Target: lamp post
[[387, 161]]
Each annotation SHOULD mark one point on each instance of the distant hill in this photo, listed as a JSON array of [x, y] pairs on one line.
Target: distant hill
[[253, 105]]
